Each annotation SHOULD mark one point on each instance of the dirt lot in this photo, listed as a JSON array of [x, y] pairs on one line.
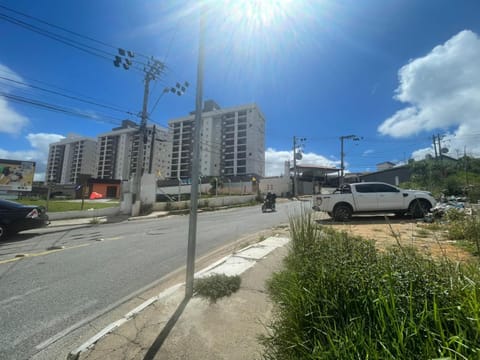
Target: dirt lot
[[387, 232]]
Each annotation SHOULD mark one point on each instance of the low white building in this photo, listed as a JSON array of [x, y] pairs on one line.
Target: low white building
[[278, 185]]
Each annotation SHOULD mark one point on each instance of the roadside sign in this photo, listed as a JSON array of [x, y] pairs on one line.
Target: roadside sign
[[16, 175]]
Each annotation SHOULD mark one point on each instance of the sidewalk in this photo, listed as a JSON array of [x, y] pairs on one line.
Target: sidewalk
[[164, 327]]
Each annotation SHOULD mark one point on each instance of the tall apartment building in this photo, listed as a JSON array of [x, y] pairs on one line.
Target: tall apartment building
[[69, 158], [118, 152], [232, 142]]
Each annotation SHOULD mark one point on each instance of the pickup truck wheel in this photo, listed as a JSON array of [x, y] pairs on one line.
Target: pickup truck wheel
[[419, 208], [342, 213]]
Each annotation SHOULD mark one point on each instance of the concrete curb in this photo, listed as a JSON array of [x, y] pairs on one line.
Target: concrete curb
[[248, 256], [153, 215]]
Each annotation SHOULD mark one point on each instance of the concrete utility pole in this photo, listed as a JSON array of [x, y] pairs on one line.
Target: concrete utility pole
[[192, 226], [152, 69], [435, 146], [440, 152], [295, 155], [342, 155], [294, 167]]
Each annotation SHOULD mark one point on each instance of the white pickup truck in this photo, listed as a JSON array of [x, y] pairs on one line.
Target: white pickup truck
[[373, 197]]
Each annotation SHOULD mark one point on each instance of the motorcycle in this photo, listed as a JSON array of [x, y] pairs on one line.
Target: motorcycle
[[268, 204]]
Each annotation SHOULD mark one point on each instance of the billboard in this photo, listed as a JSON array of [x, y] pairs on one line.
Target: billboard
[[16, 175]]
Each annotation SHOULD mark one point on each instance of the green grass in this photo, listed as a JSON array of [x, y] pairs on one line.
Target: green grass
[[65, 205], [464, 227], [338, 298], [216, 286]]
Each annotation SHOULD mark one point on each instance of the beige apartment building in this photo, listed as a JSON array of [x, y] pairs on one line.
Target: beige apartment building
[[232, 142], [117, 152], [70, 157]]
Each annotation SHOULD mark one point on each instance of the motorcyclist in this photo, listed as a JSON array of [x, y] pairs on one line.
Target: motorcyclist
[[270, 198]]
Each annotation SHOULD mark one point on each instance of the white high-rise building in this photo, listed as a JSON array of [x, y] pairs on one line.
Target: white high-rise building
[[118, 151], [70, 157], [232, 142]]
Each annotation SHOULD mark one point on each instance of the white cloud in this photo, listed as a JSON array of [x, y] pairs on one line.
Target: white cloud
[[368, 152], [275, 161], [441, 91], [6, 72], [421, 154], [11, 122], [39, 152]]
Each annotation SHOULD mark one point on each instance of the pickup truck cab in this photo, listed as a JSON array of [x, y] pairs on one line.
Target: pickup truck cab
[[373, 197]]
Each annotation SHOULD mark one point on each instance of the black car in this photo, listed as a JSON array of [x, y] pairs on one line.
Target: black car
[[15, 217]]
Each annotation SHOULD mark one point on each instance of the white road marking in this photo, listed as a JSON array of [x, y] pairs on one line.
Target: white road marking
[[20, 297]]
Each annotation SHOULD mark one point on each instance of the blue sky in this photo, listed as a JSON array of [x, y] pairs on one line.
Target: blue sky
[[392, 72]]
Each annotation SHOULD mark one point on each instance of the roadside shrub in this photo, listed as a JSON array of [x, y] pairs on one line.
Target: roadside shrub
[[216, 286], [338, 298], [453, 215], [463, 227]]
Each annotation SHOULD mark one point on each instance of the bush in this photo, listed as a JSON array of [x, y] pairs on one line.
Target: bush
[[463, 227], [338, 298], [216, 286]]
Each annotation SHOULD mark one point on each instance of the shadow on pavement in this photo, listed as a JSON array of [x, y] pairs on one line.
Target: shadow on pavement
[[157, 344], [117, 218], [14, 238]]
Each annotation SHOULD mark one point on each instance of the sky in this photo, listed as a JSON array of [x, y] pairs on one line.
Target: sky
[[393, 73]]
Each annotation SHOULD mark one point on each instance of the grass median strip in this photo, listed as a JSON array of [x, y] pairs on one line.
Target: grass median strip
[[339, 298]]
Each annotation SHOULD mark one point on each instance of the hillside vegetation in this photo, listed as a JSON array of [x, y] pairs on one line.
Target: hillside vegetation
[[460, 178]]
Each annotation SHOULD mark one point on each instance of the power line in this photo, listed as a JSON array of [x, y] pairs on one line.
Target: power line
[[66, 96], [62, 89], [60, 109], [64, 29], [56, 37], [63, 39]]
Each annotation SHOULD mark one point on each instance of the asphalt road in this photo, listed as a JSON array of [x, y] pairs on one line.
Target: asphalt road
[[46, 296]]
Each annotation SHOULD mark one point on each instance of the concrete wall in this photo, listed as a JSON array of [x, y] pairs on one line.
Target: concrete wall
[[280, 186], [204, 202], [237, 188], [159, 206]]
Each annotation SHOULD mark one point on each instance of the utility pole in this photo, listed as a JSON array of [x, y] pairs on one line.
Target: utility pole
[[296, 156], [342, 155], [435, 146], [152, 69], [440, 152], [294, 167], [192, 226]]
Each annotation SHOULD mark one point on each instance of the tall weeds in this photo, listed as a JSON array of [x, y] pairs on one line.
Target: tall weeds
[[338, 298]]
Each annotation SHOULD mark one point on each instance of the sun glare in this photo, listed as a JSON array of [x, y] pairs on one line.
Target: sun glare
[[259, 13]]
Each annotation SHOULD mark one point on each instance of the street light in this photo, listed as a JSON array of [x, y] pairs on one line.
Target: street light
[[342, 155]]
